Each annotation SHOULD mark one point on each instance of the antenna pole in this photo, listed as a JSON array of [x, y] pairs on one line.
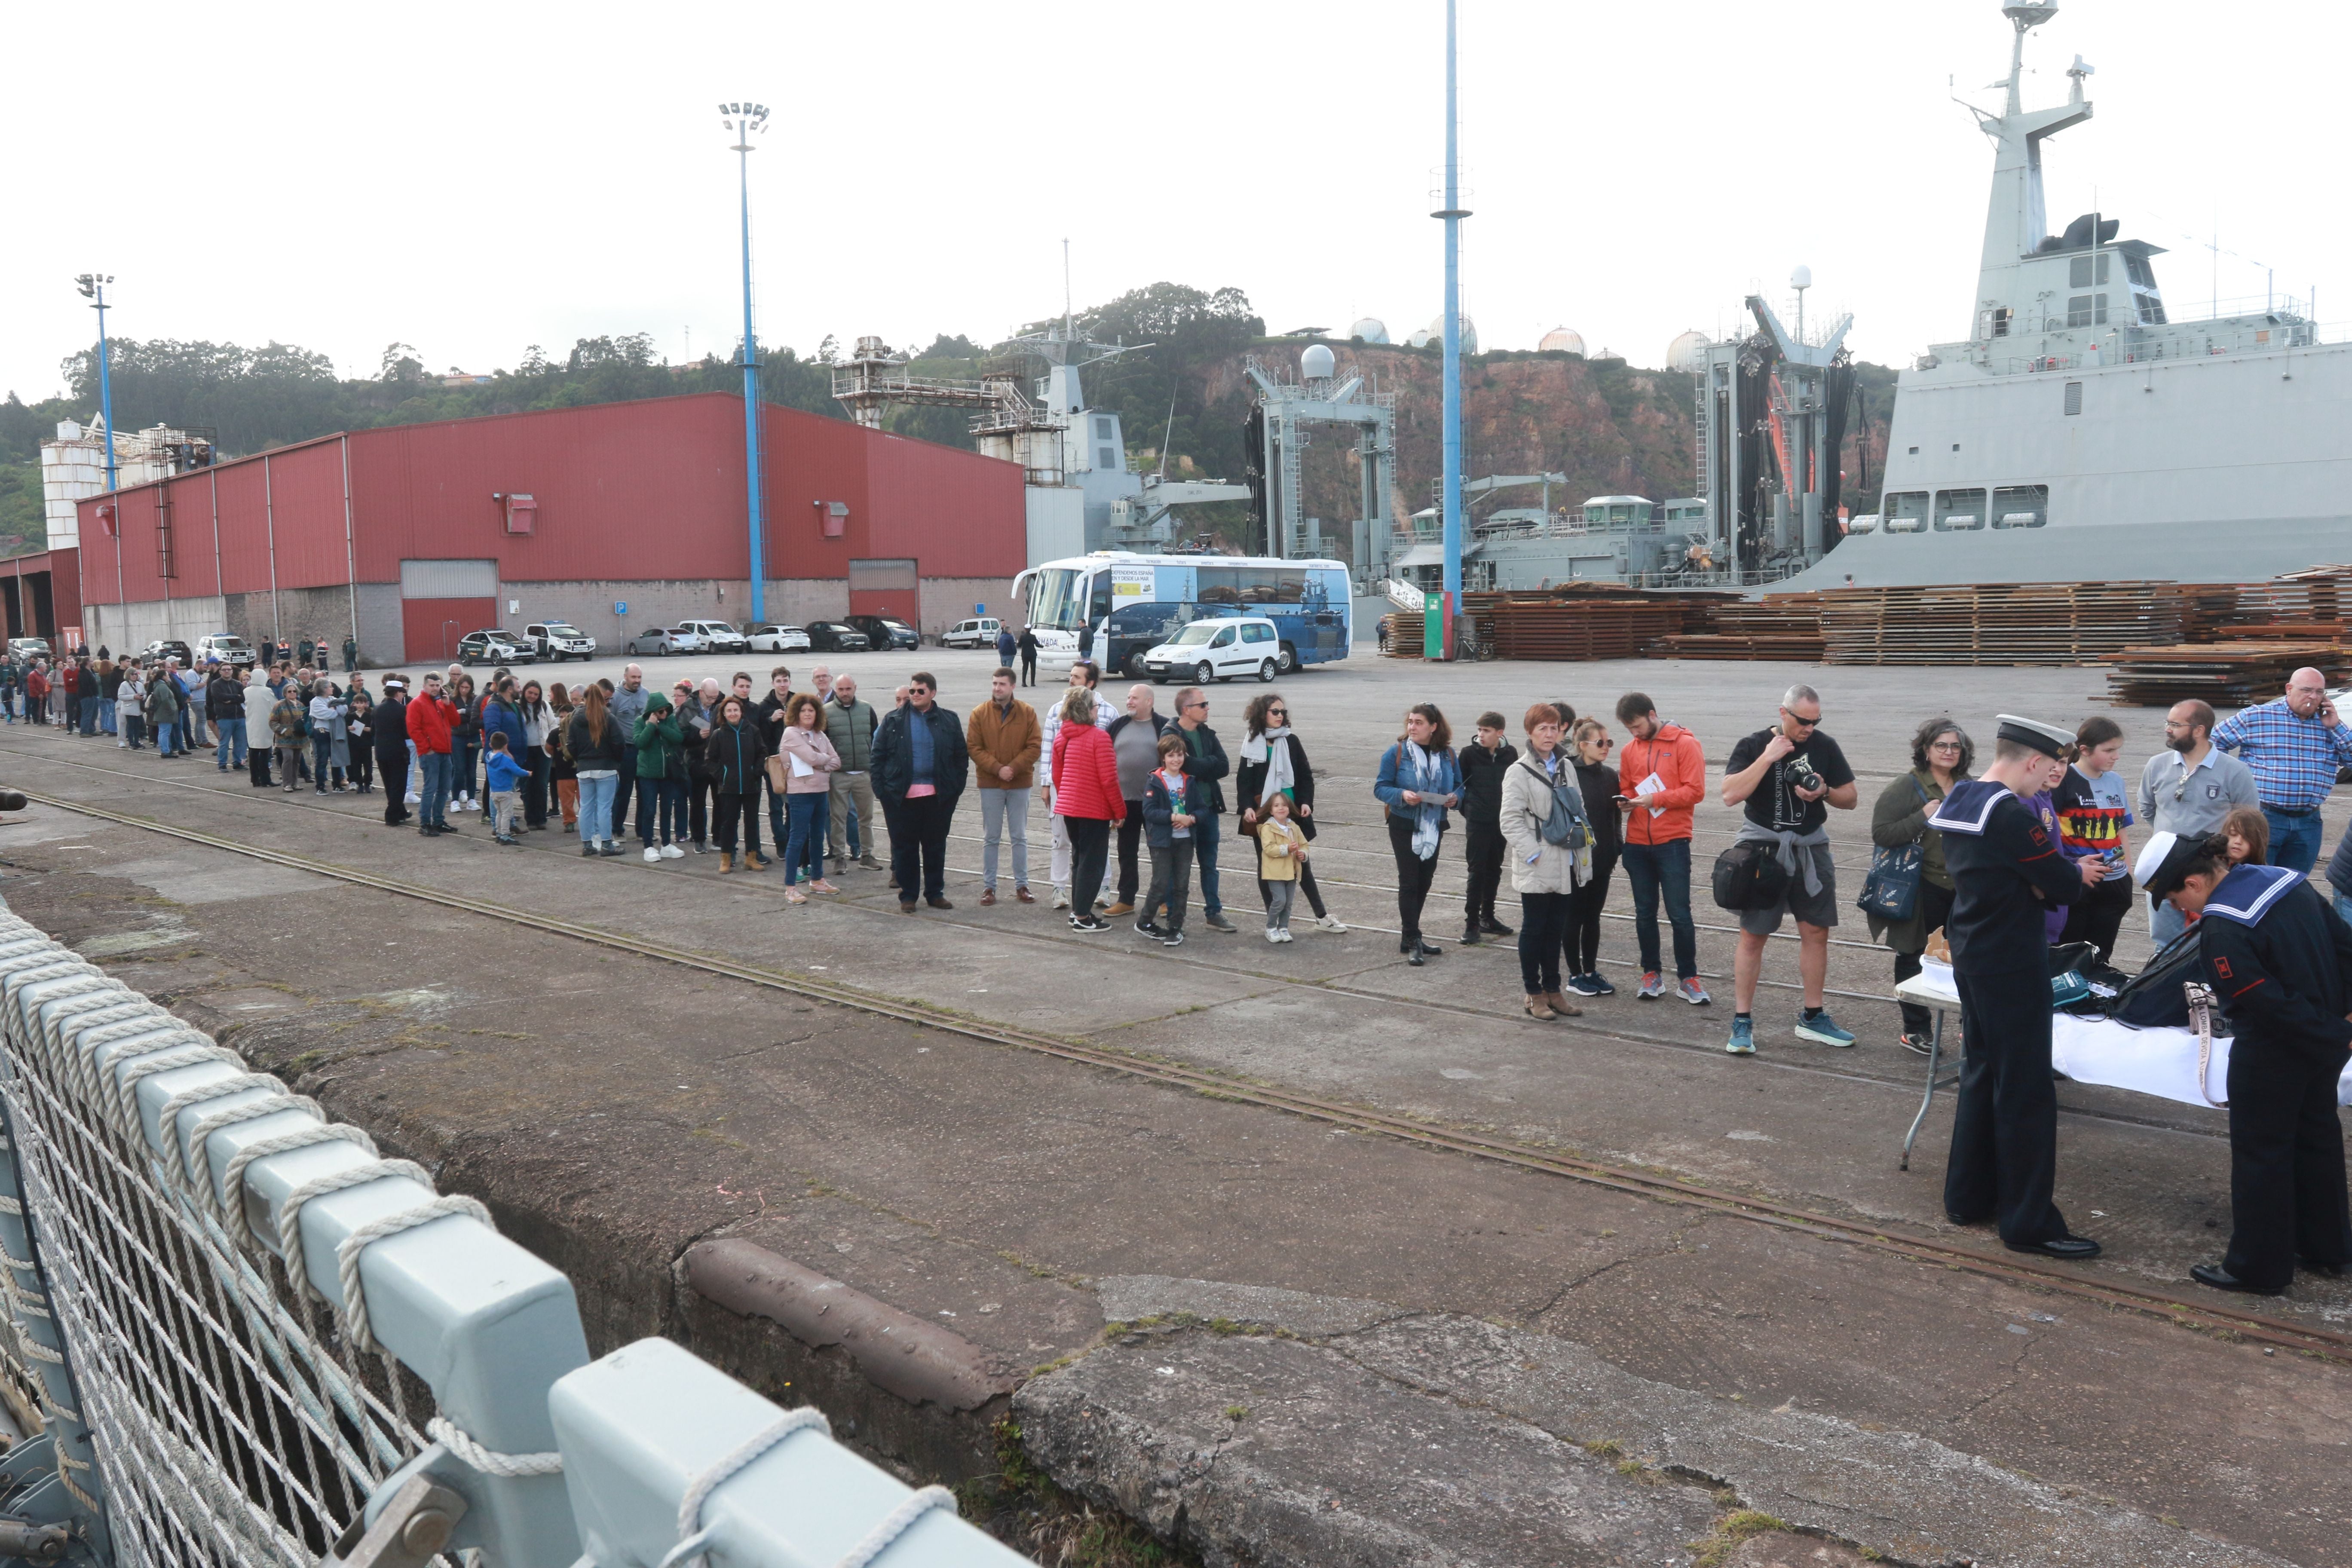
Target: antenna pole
[[1066, 289], [1450, 597]]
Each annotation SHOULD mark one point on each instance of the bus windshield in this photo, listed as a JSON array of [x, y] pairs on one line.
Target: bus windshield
[[1057, 598]]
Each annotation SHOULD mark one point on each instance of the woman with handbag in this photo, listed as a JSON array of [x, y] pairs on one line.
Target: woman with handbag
[[1548, 839], [1419, 781], [1909, 894], [1272, 761]]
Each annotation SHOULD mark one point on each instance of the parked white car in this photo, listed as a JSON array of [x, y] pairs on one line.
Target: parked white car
[[773, 638], [978, 632], [718, 637], [559, 640], [1218, 650]]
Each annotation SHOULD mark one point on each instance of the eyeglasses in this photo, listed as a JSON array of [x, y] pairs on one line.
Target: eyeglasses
[[1603, 741], [1943, 745], [1189, 706], [1277, 713], [1801, 721]]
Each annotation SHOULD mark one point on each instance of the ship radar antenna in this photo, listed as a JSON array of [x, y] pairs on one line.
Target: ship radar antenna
[[2076, 72], [2023, 16]]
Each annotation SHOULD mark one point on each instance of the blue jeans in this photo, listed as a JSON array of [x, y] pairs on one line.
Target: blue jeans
[[596, 808], [805, 841], [2295, 840], [105, 716], [228, 750], [668, 817], [433, 792], [90, 715], [165, 736], [1651, 869]]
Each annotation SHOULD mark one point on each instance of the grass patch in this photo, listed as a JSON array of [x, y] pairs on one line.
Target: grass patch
[[1021, 1506], [1729, 1532]]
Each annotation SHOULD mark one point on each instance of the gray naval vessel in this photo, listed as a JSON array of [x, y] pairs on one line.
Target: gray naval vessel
[[2082, 431]]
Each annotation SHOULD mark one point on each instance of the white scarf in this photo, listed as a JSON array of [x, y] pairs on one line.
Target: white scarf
[[1280, 773], [1426, 830]]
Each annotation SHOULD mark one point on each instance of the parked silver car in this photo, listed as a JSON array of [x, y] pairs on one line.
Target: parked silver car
[[658, 641]]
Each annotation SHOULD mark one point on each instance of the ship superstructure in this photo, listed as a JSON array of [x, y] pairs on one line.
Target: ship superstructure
[[2083, 432]]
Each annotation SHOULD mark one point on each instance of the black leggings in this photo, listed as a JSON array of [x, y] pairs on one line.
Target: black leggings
[[2099, 915], [1089, 858], [1544, 920], [1584, 934], [734, 811], [1413, 876]]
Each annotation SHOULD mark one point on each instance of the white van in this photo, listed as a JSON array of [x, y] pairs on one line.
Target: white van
[[1218, 650], [978, 632]]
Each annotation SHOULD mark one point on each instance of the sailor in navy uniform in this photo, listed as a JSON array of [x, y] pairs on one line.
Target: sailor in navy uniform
[[2280, 961], [2006, 874]]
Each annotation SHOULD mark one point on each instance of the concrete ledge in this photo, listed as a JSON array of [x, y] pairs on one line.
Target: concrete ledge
[[919, 1362]]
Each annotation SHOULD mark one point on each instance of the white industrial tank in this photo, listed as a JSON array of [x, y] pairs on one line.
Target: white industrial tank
[[1371, 329], [1315, 364], [1562, 340], [1434, 333], [1687, 352]]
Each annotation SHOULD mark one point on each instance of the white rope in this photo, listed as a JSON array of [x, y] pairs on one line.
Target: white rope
[[233, 1179], [193, 1158], [347, 1255], [895, 1523], [126, 1083], [289, 1212], [489, 1461], [693, 1537]]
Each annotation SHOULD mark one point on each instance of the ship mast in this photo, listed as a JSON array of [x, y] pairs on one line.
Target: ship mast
[[2015, 218]]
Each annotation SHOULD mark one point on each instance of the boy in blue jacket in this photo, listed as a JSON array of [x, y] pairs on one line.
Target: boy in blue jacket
[[505, 776], [1173, 802]]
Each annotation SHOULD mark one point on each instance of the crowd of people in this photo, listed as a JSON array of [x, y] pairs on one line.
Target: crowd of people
[[2005, 866]]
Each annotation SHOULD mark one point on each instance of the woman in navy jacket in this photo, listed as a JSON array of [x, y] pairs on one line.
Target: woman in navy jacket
[[1418, 781]]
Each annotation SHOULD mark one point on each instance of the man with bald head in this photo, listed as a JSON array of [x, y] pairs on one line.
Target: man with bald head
[[628, 706], [2187, 788], [2294, 746], [1135, 743]]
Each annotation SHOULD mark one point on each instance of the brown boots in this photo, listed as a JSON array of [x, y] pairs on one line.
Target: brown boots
[[1562, 1005], [726, 862], [1538, 1007]]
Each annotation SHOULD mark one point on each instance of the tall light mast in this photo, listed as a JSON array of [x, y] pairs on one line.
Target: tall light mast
[[93, 289], [744, 118], [1451, 215]]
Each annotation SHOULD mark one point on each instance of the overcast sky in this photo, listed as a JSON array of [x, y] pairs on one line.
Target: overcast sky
[[473, 179]]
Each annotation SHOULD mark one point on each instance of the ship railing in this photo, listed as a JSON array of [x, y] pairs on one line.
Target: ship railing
[[234, 1333]]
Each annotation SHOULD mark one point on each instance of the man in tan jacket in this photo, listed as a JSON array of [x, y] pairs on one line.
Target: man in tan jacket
[[1004, 738]]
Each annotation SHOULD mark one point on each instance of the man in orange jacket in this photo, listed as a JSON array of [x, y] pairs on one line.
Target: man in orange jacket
[[1663, 772]]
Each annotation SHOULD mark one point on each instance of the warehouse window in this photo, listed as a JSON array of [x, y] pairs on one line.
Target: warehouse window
[[2073, 397]]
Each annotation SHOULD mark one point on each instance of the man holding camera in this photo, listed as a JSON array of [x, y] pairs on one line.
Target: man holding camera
[[1787, 776]]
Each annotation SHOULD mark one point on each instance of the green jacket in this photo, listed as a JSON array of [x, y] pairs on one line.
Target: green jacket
[[1900, 817], [660, 742]]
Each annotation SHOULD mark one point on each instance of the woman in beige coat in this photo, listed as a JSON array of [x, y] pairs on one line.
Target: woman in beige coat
[[1545, 868]]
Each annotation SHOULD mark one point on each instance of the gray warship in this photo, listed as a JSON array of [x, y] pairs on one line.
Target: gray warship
[[2082, 431]]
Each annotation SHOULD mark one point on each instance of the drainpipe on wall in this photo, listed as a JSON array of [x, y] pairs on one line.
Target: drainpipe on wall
[[351, 557], [270, 523]]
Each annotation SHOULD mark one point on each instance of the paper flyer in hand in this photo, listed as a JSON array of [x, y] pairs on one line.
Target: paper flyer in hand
[[1648, 787]]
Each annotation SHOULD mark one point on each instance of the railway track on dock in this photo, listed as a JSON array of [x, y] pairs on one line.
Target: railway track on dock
[[1929, 1250]]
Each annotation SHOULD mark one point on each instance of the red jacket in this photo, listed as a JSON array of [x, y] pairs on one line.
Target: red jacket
[[1090, 786], [1673, 755], [429, 718]]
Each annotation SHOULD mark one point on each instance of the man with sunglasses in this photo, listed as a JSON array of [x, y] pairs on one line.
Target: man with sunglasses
[[1787, 776], [2187, 789]]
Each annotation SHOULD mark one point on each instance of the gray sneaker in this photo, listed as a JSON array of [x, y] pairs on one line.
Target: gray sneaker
[[1822, 1030], [1218, 922]]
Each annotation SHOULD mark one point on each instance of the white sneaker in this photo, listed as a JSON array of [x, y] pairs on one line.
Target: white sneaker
[[1061, 898], [412, 800], [652, 854], [672, 852], [1272, 934], [1286, 936], [1329, 923]]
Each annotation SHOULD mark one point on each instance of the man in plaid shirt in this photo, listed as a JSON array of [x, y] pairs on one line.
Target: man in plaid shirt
[[2293, 745]]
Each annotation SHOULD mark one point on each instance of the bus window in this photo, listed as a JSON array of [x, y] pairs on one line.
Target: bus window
[[1100, 605], [1219, 585]]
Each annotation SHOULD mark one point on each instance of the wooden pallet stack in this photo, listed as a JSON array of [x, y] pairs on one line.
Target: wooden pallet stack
[[2230, 674], [1780, 626], [1997, 623], [1585, 621]]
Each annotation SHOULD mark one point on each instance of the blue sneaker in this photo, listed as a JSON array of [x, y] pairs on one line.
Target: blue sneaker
[[1600, 987], [1653, 985], [1691, 991], [1584, 986], [1743, 1037], [1822, 1030]]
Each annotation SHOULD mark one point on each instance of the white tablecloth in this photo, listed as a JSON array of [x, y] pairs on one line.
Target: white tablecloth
[[2162, 1062]]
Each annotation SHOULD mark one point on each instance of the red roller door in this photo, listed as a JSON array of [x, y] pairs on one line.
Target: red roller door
[[430, 628]]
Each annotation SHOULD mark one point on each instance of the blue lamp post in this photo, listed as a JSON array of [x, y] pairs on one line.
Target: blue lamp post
[[1450, 600], [93, 289], [744, 118]]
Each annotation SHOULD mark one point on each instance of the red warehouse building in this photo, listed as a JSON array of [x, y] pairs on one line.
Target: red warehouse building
[[408, 537]]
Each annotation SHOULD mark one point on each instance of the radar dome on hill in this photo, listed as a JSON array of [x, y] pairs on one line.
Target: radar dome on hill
[[1315, 364], [1434, 335], [1561, 339], [1371, 329], [1687, 352]]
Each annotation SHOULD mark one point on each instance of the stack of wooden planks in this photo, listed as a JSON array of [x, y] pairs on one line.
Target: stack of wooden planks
[[1782, 627], [2232, 674], [1584, 621], [1997, 623]]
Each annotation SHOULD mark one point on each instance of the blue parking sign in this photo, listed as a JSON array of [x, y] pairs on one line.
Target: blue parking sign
[[620, 606]]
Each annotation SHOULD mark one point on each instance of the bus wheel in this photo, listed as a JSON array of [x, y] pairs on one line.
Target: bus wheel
[[1266, 671], [1289, 659], [1135, 667]]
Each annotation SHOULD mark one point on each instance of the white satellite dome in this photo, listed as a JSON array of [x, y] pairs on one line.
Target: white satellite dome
[[1562, 340], [1371, 329], [1315, 364], [1687, 352], [1435, 334]]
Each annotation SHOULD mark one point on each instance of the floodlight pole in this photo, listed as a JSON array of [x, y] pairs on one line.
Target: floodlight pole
[[95, 287], [744, 119], [1451, 215]]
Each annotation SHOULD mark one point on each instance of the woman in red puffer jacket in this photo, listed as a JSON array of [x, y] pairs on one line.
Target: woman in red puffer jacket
[[1086, 797]]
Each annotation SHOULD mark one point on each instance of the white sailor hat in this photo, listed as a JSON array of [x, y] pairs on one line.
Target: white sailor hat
[[2047, 739], [2164, 862]]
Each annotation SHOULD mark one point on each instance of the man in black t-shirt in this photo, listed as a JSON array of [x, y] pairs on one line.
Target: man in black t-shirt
[[1787, 776]]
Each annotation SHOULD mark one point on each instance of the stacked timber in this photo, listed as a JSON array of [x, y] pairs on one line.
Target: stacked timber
[[1403, 634], [1997, 623], [1781, 627], [2232, 674], [1585, 621]]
